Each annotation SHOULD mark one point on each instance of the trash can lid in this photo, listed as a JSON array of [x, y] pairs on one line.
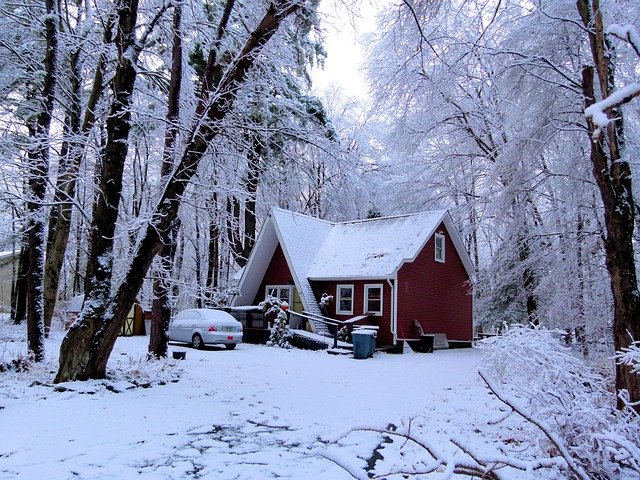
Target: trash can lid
[[363, 332]]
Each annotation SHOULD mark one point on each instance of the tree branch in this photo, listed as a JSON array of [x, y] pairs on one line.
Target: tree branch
[[513, 404]]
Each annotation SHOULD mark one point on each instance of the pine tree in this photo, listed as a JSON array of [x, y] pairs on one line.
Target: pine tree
[[280, 333]]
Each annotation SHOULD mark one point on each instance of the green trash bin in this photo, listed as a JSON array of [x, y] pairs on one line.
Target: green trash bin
[[364, 343]]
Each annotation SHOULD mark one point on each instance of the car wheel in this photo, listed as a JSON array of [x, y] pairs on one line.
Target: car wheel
[[230, 346], [197, 342]]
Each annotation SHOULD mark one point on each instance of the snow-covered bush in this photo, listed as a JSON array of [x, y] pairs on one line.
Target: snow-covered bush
[[146, 371], [325, 300], [18, 364], [344, 335], [572, 406], [281, 335], [271, 305]]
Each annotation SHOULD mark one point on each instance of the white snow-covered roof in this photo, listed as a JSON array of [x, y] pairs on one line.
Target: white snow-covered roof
[[301, 238], [373, 248], [316, 249], [75, 304]]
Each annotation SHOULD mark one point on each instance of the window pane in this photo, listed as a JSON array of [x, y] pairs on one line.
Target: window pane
[[345, 292], [439, 247], [374, 300], [284, 294], [345, 299]]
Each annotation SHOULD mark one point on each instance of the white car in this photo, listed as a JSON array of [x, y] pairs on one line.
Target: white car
[[205, 326]]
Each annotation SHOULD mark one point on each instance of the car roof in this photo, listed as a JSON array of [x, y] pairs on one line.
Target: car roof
[[209, 314]]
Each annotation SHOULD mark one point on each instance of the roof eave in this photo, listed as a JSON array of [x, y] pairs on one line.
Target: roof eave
[[352, 278]]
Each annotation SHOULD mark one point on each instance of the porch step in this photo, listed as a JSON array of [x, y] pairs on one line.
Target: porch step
[[340, 351]]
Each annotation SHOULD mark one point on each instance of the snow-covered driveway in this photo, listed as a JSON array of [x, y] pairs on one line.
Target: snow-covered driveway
[[252, 413]]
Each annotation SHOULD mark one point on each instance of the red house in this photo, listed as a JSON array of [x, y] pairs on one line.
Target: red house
[[399, 273]]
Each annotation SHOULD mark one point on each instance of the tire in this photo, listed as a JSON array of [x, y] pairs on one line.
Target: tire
[[196, 341], [230, 346]]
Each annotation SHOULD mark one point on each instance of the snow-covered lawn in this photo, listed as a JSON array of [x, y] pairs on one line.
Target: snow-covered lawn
[[252, 413]]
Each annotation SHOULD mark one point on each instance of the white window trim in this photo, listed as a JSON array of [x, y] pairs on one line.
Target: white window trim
[[344, 312], [435, 248], [366, 298], [280, 287]]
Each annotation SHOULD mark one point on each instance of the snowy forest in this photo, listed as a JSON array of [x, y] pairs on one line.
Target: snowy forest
[[144, 142]]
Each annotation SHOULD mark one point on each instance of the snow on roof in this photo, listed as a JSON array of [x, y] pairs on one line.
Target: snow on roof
[[301, 237], [317, 249], [373, 248]]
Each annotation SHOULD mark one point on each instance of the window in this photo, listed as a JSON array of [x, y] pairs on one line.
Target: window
[[284, 293], [344, 305], [439, 247], [373, 299]]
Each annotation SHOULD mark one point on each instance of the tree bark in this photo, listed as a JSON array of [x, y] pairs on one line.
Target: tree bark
[[213, 267], [72, 154], [80, 347], [161, 307], [38, 161], [19, 297], [613, 177], [88, 345], [242, 239]]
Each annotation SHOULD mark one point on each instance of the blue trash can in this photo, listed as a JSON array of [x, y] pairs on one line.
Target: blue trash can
[[364, 343]]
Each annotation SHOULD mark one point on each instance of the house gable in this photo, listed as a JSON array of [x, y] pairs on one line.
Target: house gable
[[437, 294], [277, 273]]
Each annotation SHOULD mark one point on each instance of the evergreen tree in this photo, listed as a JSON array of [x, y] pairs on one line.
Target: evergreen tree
[[281, 335]]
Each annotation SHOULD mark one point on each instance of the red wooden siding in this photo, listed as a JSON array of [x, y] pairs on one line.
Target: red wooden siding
[[277, 274], [384, 321], [436, 294]]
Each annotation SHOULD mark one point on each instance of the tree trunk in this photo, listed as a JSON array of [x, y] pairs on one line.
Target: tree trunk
[[241, 240], [198, 259], [80, 350], [72, 153], [88, 345], [60, 215], [38, 160], [613, 176], [161, 307], [213, 267], [19, 297]]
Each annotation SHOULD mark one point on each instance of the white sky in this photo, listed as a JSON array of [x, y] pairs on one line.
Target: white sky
[[345, 53]]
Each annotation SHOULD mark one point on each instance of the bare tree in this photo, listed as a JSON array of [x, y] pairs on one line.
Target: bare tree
[[161, 307], [613, 175], [88, 345], [38, 169]]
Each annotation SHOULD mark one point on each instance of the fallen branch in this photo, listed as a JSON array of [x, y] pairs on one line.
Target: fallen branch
[[546, 429]]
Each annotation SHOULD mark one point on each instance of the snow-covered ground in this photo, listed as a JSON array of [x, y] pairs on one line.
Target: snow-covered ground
[[252, 413]]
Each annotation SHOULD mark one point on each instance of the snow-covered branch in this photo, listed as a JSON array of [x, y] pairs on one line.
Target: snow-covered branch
[[532, 367], [512, 403], [630, 356], [627, 33], [597, 112]]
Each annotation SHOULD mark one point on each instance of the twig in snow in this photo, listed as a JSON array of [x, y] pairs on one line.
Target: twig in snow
[[575, 468]]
